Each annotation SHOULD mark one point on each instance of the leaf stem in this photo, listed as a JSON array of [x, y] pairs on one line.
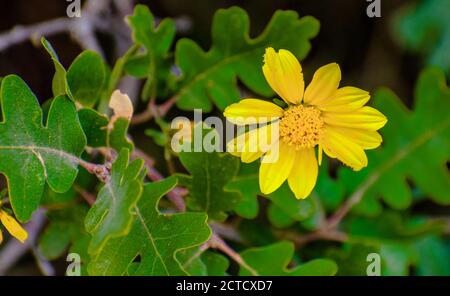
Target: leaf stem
[[354, 199], [101, 171], [153, 111]]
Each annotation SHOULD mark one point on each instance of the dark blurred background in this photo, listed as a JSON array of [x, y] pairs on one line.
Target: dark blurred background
[[363, 46]]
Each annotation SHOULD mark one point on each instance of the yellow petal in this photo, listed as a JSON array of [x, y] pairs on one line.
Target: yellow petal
[[364, 118], [1, 237], [284, 74], [364, 138], [252, 111], [324, 84], [13, 226], [276, 167], [303, 176], [319, 154], [345, 99], [253, 144], [340, 146]]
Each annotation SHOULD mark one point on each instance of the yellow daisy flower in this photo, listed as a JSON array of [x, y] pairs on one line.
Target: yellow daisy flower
[[13, 227], [323, 115]]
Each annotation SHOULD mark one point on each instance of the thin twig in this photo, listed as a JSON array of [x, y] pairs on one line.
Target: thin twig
[[34, 32], [153, 111], [101, 171], [165, 107], [217, 243], [149, 113], [354, 199], [332, 235], [227, 232]]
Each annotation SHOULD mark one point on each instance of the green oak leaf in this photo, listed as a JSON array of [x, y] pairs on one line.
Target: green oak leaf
[[95, 126], [415, 143], [285, 209], [212, 75], [112, 214], [209, 172], [153, 62], [246, 182], [273, 260], [31, 153], [117, 136], [154, 239], [86, 78]]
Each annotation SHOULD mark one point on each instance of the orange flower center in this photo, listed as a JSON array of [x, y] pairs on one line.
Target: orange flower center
[[301, 126]]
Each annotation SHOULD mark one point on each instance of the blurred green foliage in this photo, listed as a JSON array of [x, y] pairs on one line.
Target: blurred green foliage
[[416, 142], [424, 27]]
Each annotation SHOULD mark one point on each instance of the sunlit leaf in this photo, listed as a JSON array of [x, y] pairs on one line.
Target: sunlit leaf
[[155, 238], [112, 214], [32, 153], [86, 78]]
